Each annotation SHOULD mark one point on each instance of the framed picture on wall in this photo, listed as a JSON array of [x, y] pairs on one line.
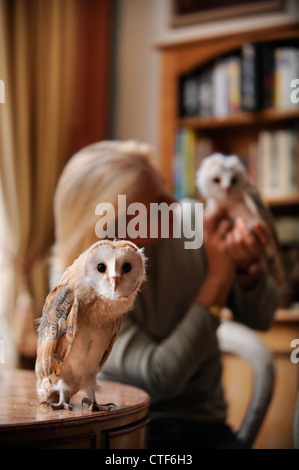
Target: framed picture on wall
[[186, 12]]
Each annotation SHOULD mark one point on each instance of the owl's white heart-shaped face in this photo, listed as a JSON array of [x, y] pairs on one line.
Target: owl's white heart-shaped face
[[221, 177], [115, 270]]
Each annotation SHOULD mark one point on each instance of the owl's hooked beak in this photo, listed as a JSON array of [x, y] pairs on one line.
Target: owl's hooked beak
[[115, 282], [226, 189]]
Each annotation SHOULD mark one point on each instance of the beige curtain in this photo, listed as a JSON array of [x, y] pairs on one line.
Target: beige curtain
[[36, 65]]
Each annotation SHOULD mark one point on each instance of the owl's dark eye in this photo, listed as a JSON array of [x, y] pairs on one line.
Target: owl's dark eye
[[216, 179], [234, 180], [101, 267], [127, 268]]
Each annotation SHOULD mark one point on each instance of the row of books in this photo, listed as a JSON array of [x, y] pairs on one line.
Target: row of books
[[272, 162], [214, 90], [256, 77], [190, 149], [277, 162]]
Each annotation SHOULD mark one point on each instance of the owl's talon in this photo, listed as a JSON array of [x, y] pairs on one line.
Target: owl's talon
[[67, 406], [112, 406], [104, 407], [48, 403], [57, 406], [94, 406]]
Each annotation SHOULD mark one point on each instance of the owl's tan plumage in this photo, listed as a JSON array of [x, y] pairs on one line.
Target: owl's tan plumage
[[81, 319]]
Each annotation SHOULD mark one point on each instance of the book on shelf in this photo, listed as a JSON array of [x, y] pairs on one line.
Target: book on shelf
[[205, 92], [286, 69], [189, 95], [190, 149], [277, 156], [234, 83], [220, 89], [252, 162], [251, 92], [287, 230], [256, 77], [226, 81], [267, 79]]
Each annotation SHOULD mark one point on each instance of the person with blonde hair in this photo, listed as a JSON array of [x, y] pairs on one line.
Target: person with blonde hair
[[97, 173], [167, 344]]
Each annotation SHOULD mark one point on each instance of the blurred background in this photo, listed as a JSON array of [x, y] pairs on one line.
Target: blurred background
[[75, 72]]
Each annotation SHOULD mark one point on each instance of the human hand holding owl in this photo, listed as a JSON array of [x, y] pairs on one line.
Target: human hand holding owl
[[247, 247], [216, 228], [81, 319], [224, 183], [220, 265]]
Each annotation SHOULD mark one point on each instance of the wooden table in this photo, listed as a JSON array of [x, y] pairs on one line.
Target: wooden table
[[25, 424]]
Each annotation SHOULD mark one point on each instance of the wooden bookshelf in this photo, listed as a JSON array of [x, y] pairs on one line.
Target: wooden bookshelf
[[240, 119], [178, 59], [283, 201], [288, 315]]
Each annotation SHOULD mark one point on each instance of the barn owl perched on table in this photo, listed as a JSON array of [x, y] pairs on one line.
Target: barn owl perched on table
[[81, 319], [223, 181]]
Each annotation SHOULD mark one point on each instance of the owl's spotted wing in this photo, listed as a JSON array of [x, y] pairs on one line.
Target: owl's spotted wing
[[274, 251], [252, 196], [56, 330]]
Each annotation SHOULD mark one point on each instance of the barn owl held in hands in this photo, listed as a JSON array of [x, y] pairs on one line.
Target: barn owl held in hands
[[81, 319], [223, 181]]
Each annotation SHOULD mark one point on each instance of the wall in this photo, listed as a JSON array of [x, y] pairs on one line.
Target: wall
[[140, 25]]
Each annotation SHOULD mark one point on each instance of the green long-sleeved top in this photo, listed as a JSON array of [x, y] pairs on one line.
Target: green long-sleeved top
[[167, 344]]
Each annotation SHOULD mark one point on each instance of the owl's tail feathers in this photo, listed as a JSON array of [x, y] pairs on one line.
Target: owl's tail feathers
[[275, 263]]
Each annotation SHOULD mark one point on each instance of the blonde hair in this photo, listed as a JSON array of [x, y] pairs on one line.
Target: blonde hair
[[97, 173]]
